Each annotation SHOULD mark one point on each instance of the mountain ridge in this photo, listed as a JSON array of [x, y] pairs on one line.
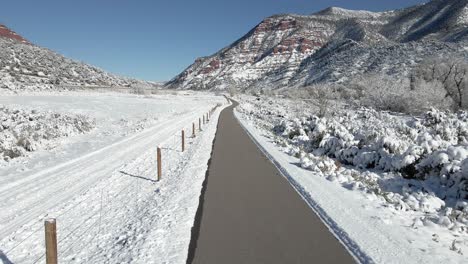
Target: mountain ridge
[[279, 49], [26, 66], [6, 32]]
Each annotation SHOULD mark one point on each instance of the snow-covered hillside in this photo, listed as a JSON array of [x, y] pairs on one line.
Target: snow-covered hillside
[[380, 180], [332, 45], [24, 66]]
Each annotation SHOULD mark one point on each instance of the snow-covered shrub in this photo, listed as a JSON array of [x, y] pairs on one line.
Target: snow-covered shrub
[[435, 145], [414, 165], [320, 164], [23, 131], [431, 147]]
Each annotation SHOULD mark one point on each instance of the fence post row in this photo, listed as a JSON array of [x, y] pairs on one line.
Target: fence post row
[[183, 140], [50, 223], [159, 164], [51, 240]]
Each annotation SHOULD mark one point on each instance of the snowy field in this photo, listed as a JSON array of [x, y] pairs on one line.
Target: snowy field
[[391, 187], [89, 160]]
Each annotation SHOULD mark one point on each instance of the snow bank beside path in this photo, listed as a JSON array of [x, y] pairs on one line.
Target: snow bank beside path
[[371, 228]]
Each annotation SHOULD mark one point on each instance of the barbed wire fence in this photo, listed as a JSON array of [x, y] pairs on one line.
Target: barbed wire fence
[[71, 234]]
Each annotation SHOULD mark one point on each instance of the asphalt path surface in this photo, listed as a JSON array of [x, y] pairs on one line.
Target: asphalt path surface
[[249, 213]]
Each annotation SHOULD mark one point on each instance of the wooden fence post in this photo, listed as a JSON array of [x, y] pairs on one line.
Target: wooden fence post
[[51, 241], [193, 129], [183, 140], [203, 119], [199, 124], [159, 164]]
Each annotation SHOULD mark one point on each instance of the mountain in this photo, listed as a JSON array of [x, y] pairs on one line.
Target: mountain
[[9, 34], [25, 66], [332, 45]]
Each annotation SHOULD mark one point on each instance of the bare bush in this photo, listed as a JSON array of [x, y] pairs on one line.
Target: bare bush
[[451, 73], [331, 91], [324, 97], [232, 91], [426, 95], [382, 93], [141, 90], [389, 94], [440, 84]]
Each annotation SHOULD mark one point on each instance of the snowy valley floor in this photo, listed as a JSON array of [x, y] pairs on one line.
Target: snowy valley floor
[[372, 229], [100, 185]]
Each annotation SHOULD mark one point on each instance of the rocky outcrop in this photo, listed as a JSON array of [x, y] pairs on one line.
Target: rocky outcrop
[[9, 34]]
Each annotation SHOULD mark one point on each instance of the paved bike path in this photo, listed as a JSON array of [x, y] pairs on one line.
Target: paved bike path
[[249, 213]]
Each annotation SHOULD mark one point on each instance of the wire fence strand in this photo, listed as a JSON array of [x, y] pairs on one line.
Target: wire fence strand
[[86, 226]]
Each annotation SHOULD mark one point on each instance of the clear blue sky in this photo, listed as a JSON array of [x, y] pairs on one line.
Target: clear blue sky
[[152, 39]]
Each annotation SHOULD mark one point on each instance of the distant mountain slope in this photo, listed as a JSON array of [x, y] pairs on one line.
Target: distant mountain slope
[[445, 20], [331, 46], [24, 66], [9, 34]]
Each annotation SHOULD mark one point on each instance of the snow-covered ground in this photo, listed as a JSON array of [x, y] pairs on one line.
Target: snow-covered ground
[[349, 167], [100, 183], [25, 131]]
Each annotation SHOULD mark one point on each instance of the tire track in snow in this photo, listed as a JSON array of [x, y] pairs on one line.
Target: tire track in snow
[[61, 185]]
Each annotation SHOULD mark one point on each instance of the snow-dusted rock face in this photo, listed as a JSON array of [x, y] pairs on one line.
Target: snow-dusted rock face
[[332, 45], [24, 66], [8, 33]]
